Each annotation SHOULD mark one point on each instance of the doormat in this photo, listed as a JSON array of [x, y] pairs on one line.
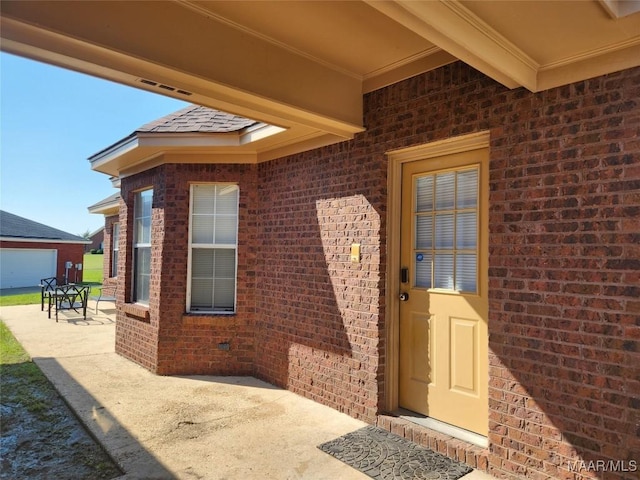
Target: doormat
[[385, 456]]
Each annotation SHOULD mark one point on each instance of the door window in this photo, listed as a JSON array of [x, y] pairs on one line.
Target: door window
[[446, 230]]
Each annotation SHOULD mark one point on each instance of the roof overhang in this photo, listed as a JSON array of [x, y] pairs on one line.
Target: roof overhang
[[249, 77], [107, 210], [479, 34], [304, 66], [107, 207], [255, 144]]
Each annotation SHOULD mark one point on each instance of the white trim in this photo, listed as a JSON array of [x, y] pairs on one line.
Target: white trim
[[259, 132], [135, 246], [446, 428], [620, 8], [449, 146], [106, 210], [595, 54], [192, 245], [430, 59], [189, 249], [115, 248], [114, 151], [400, 63], [189, 139], [43, 240], [454, 28]]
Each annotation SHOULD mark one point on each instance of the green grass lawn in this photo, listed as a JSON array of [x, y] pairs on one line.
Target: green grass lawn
[[10, 350], [91, 275], [40, 436], [14, 361], [92, 268], [19, 299]]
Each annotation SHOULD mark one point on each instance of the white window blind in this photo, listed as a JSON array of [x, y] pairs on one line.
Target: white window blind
[[142, 246], [115, 248], [446, 230], [213, 239]]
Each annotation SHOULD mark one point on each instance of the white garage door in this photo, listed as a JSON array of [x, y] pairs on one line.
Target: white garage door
[[23, 267]]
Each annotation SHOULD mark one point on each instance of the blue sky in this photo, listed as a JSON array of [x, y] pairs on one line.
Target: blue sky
[[51, 121]]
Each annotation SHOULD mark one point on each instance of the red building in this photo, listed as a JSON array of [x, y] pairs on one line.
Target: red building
[[31, 251]]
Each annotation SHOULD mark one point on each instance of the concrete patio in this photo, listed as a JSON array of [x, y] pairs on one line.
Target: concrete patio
[[201, 427]]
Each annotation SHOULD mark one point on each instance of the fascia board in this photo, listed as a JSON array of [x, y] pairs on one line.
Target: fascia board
[[113, 152], [615, 57], [43, 240], [168, 141], [105, 209]]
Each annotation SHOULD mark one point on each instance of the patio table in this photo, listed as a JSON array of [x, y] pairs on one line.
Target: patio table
[[69, 297]]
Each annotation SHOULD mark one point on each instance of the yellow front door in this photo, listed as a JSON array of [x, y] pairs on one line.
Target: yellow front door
[[444, 279]]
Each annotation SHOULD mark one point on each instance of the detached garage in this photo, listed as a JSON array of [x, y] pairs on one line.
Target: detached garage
[[30, 251]]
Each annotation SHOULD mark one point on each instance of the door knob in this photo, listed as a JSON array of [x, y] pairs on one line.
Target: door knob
[[404, 296]]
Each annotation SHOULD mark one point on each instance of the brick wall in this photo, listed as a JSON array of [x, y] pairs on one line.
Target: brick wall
[[564, 272], [565, 277], [97, 241], [180, 342], [564, 230], [319, 313], [137, 327]]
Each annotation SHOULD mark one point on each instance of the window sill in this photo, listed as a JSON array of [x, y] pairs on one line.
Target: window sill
[[135, 310]]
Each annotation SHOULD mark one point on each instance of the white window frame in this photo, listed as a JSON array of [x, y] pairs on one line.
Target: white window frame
[[115, 248], [139, 245], [193, 246]]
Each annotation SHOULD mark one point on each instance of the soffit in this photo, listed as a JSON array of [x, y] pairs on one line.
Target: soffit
[[304, 65], [349, 36], [557, 31], [535, 44], [142, 151]]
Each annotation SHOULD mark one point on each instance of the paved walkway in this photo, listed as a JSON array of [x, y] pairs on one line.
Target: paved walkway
[[196, 427]]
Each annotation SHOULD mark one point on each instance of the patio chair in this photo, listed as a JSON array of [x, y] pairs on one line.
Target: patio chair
[[107, 294], [47, 285]]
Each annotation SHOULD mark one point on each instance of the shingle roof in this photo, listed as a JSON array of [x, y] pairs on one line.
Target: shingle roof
[[196, 118], [19, 228], [106, 202], [191, 119]]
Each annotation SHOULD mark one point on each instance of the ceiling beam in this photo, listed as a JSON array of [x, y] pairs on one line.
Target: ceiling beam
[[455, 29]]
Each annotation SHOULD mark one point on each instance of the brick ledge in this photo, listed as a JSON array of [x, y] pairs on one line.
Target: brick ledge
[[474, 456], [135, 310]]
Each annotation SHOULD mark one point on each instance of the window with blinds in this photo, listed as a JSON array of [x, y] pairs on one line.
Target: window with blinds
[[115, 248], [213, 242], [142, 246], [446, 230]]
